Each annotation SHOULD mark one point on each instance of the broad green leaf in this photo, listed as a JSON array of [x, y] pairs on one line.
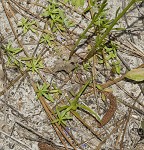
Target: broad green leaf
[[136, 74]]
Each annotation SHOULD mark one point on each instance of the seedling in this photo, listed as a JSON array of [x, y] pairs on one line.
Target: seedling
[[86, 66], [68, 23], [47, 39], [11, 50], [34, 64], [109, 57], [56, 17], [27, 25], [104, 25], [100, 39], [116, 67], [74, 105], [62, 116], [44, 91]]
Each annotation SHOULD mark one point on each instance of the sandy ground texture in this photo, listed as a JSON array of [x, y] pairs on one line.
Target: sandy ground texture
[[25, 119]]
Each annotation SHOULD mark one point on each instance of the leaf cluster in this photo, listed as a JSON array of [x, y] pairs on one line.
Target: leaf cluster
[[11, 54], [34, 64], [57, 17], [12, 50], [45, 91], [63, 111], [108, 56], [47, 39], [27, 25]]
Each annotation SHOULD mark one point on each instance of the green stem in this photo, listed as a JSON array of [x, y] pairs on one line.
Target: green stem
[[93, 51], [88, 27]]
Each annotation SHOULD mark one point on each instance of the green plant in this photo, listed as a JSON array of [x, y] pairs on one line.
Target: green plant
[[11, 54], [44, 91], [74, 105], [47, 39], [93, 20], [116, 67], [11, 50], [33, 64], [27, 25], [86, 66], [56, 17], [62, 116], [108, 56], [136, 74], [100, 39], [68, 23], [104, 25]]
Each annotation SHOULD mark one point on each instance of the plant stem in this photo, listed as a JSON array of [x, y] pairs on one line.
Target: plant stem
[[88, 27], [93, 51]]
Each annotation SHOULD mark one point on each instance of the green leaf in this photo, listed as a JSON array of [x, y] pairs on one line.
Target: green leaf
[[54, 91], [12, 50], [65, 1], [68, 23], [87, 9], [119, 29], [34, 64], [103, 97], [117, 11], [62, 107], [33, 30], [62, 116], [47, 38], [50, 98], [61, 13], [26, 58], [136, 74], [86, 108], [82, 90], [99, 87], [27, 25]]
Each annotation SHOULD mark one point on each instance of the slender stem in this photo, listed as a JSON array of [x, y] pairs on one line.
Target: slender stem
[[93, 51], [88, 27], [80, 38]]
